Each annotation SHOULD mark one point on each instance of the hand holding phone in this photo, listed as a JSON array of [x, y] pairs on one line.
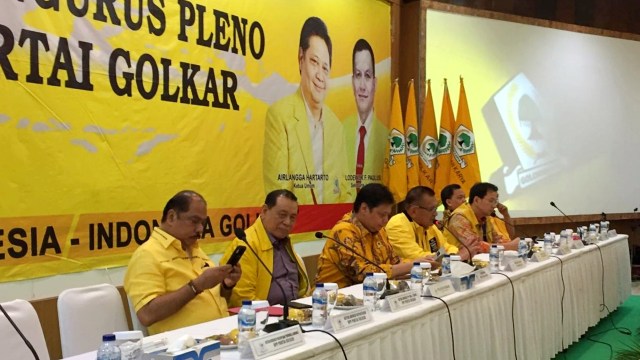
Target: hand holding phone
[[236, 255]]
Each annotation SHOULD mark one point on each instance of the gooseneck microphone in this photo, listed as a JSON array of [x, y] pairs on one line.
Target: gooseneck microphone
[[388, 290], [562, 212], [17, 329], [285, 322], [468, 261]]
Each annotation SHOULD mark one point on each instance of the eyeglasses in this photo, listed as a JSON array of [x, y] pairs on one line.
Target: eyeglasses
[[432, 209]]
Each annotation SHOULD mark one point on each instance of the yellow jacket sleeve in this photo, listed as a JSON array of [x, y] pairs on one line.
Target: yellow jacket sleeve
[[402, 237]]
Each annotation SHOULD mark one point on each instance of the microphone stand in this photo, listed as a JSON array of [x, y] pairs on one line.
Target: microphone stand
[[562, 212], [388, 291], [285, 322], [469, 261]]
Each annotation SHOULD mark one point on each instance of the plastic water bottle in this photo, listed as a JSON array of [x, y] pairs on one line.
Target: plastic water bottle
[[592, 236], [604, 228], [416, 276], [319, 301], [564, 238], [494, 259], [369, 288], [523, 249], [108, 350], [246, 326], [446, 265], [426, 274], [548, 244]]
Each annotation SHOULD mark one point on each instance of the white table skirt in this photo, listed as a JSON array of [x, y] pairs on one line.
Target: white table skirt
[[481, 317]]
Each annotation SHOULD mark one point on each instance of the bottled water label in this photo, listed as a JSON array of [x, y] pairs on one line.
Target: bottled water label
[[446, 266], [319, 302], [494, 259]]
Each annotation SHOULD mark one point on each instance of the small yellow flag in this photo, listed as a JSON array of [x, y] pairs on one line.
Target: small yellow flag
[[445, 150], [465, 169], [411, 134], [428, 142], [394, 172]]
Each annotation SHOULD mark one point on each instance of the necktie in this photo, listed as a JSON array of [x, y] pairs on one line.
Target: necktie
[[360, 157]]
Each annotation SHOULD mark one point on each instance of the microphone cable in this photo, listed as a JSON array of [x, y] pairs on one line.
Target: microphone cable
[[330, 334], [603, 306], [24, 338], [513, 322], [453, 343]]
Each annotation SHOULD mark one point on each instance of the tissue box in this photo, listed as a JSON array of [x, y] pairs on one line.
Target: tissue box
[[463, 282], [203, 351]]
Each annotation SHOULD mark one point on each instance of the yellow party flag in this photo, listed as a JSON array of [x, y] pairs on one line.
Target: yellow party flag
[[445, 151], [428, 142], [394, 172], [465, 170], [411, 134]]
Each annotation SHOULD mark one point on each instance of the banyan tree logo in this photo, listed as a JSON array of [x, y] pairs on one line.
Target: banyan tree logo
[[465, 143], [428, 150], [396, 140], [444, 142], [412, 141]]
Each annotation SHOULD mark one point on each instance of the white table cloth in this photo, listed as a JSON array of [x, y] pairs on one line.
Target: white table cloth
[[481, 317]]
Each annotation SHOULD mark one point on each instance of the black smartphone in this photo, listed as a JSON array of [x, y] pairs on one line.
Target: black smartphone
[[237, 254], [297, 305]]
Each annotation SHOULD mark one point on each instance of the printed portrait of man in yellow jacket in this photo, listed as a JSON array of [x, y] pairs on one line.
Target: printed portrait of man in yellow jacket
[[304, 149], [269, 238]]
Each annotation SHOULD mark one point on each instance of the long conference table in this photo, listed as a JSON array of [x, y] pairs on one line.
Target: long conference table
[[554, 302]]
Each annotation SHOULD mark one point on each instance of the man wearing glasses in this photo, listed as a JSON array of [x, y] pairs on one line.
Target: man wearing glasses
[[363, 231], [171, 282], [269, 238], [470, 221], [412, 233]]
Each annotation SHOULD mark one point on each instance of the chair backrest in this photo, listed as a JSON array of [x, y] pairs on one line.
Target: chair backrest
[[85, 314], [135, 323], [26, 319]]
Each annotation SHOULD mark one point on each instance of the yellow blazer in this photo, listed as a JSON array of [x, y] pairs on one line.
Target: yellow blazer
[[288, 151], [255, 282], [374, 155], [411, 241]]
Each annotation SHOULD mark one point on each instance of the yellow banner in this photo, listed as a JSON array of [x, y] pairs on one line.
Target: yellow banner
[[110, 108]]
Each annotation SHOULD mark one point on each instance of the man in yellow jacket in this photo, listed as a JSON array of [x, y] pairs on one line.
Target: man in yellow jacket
[[412, 233], [472, 221], [269, 238], [304, 148], [363, 231]]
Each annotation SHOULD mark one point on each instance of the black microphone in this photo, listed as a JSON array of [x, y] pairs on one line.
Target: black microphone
[[24, 338], [388, 290], [468, 261], [285, 322], [562, 212], [524, 235]]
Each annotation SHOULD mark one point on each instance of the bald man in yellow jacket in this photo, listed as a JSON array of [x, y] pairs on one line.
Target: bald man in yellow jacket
[[269, 238]]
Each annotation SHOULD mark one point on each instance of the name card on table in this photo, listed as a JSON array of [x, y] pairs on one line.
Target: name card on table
[[351, 319], [539, 256], [403, 300], [441, 289], [563, 250], [516, 264], [577, 244], [276, 342], [482, 275]]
